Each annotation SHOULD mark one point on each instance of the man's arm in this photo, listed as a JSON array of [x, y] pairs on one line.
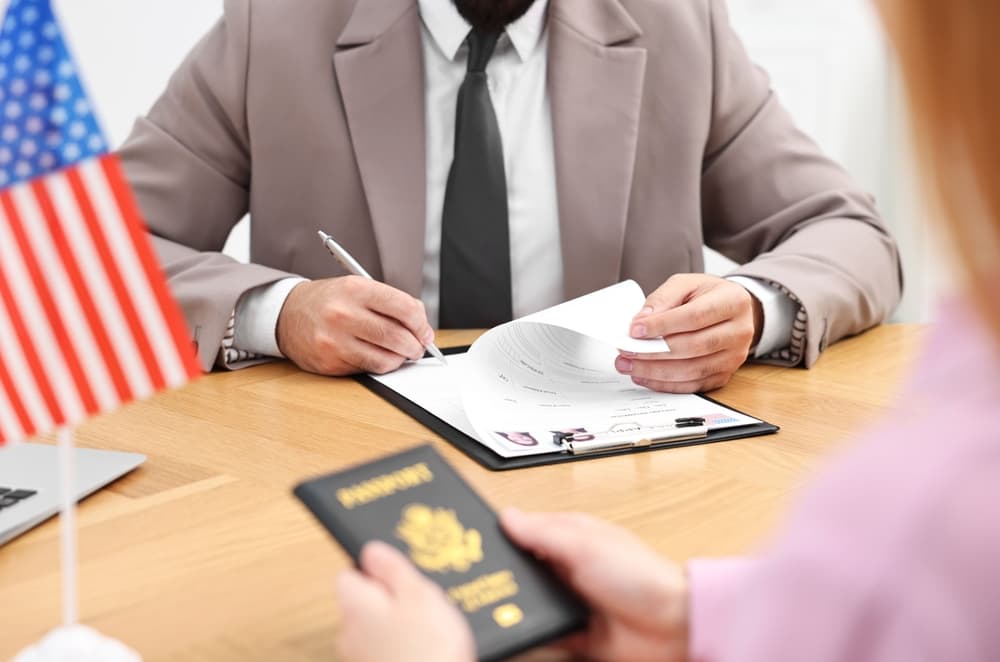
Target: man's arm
[[788, 214], [189, 165]]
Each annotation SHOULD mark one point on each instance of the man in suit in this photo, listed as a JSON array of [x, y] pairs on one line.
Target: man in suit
[[597, 140]]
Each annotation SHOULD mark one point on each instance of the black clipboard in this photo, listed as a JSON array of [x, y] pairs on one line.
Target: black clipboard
[[491, 460]]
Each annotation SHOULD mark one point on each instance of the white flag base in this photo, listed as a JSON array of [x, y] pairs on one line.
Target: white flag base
[[77, 643]]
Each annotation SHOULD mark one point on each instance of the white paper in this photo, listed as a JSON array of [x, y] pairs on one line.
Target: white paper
[[522, 382]]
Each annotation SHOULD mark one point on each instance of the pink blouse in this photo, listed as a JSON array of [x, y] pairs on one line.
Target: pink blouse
[[893, 554]]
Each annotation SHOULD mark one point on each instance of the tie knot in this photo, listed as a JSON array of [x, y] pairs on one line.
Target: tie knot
[[481, 45]]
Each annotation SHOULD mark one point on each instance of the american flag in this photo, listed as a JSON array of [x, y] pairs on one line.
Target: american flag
[[86, 320]]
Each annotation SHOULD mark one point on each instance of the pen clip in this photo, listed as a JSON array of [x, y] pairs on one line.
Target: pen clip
[[683, 430]]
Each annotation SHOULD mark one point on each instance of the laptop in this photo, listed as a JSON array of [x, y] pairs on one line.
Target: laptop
[[29, 481]]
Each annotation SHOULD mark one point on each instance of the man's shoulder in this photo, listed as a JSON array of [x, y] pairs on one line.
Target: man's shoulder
[[657, 16], [281, 16]]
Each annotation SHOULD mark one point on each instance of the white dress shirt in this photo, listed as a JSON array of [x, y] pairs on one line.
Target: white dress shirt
[[517, 83]]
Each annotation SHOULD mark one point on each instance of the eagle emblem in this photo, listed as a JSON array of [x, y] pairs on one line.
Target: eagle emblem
[[438, 542]]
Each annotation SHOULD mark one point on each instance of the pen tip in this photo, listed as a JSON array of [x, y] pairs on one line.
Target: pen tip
[[322, 235]]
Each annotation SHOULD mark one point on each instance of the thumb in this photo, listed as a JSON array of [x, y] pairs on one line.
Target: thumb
[[387, 565], [358, 595], [555, 537]]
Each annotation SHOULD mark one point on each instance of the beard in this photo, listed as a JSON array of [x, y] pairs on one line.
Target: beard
[[492, 15]]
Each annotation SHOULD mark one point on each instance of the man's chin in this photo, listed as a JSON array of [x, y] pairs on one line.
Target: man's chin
[[492, 15]]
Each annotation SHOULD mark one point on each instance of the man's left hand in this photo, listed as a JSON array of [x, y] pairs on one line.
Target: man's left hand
[[709, 323]]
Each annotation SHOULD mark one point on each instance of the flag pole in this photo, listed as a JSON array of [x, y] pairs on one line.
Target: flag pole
[[67, 527]]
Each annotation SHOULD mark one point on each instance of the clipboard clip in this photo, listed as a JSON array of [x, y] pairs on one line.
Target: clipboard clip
[[682, 429]]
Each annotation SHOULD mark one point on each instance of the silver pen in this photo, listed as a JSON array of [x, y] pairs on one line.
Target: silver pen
[[348, 262]]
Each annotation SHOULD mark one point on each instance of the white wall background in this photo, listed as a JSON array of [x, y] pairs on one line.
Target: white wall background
[[827, 59]]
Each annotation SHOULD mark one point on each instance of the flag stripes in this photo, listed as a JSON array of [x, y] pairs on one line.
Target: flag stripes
[[86, 320]]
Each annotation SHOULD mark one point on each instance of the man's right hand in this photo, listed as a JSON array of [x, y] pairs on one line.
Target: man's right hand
[[350, 324]]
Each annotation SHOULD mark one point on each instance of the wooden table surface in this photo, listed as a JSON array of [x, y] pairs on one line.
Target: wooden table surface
[[203, 554]]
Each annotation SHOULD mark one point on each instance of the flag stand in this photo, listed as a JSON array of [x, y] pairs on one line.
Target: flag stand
[[72, 642], [67, 527]]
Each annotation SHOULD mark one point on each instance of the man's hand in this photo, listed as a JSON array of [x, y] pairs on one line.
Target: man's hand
[[639, 600], [341, 326], [709, 323], [389, 611]]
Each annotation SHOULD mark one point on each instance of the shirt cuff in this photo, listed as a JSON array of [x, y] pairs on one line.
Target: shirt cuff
[[779, 314], [256, 318], [713, 587]]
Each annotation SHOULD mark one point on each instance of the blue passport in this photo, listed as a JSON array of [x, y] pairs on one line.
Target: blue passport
[[416, 502]]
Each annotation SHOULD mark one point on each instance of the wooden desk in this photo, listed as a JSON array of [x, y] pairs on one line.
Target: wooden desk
[[203, 554]]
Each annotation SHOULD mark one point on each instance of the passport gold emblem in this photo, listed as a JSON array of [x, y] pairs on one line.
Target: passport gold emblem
[[508, 615], [438, 542]]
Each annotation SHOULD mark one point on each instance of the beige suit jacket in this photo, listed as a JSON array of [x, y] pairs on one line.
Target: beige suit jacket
[[310, 114]]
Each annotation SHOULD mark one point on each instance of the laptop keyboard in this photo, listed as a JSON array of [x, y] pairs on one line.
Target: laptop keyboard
[[11, 497]]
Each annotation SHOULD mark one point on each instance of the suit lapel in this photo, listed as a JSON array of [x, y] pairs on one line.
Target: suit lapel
[[595, 86], [379, 67]]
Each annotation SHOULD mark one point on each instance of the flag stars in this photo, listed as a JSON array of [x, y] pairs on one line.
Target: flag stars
[[29, 148], [13, 110], [71, 151], [77, 130], [46, 121], [30, 15]]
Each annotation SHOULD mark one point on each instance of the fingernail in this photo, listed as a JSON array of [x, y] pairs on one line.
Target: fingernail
[[646, 310], [628, 355], [638, 331], [428, 337], [623, 365], [639, 381]]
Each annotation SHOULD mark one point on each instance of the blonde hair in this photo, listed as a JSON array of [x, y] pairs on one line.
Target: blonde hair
[[948, 52]]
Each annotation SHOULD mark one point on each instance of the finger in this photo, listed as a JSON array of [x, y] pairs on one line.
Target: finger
[[710, 383], [728, 336], [363, 356], [683, 370], [387, 564], [360, 596], [677, 290], [400, 306], [387, 333], [715, 306], [732, 335]]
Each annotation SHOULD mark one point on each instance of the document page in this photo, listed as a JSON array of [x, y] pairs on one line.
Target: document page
[[523, 385]]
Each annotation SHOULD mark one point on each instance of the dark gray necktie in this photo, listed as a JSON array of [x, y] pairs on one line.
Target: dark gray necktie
[[475, 243]]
